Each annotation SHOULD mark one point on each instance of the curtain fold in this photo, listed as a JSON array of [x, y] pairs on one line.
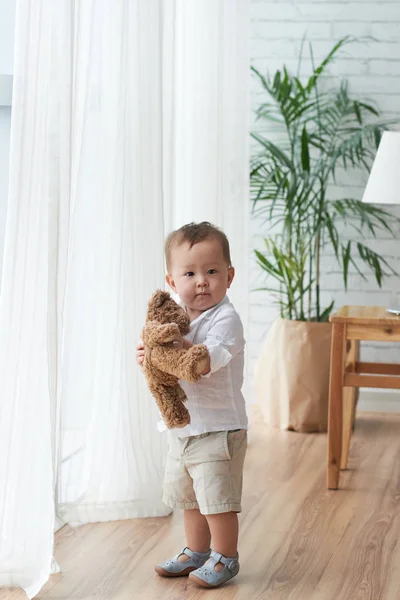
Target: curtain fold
[[129, 119]]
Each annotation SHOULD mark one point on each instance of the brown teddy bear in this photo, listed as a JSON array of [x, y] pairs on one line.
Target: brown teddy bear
[[164, 363]]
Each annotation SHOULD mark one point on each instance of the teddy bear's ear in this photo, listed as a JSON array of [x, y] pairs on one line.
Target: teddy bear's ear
[[159, 298]]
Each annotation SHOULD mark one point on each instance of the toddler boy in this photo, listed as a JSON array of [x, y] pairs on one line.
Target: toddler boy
[[205, 460]]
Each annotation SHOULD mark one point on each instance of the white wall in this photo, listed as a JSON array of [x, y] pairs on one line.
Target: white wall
[[373, 71]]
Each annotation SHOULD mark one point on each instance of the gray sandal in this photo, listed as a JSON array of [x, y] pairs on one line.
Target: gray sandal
[[207, 576], [175, 568]]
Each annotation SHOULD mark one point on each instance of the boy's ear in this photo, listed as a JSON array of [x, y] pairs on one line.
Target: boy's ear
[[231, 275], [170, 281]]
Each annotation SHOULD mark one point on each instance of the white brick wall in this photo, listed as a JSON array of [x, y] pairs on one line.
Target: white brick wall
[[372, 69]]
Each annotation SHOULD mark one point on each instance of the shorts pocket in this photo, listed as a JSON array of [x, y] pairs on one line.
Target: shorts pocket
[[210, 448], [174, 447], [228, 452], [234, 441]]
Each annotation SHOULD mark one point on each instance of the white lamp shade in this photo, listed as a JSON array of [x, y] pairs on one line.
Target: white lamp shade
[[383, 185]]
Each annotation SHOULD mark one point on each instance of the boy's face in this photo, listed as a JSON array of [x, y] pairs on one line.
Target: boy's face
[[199, 275]]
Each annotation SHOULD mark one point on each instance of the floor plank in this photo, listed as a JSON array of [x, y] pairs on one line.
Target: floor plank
[[299, 541]]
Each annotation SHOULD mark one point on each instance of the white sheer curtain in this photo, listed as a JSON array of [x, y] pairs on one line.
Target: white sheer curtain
[[206, 122], [114, 262], [112, 146], [26, 458]]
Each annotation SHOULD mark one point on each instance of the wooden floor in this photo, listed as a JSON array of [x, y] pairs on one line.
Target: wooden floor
[[298, 540]]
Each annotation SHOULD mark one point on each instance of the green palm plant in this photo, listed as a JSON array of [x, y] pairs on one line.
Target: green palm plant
[[321, 131]]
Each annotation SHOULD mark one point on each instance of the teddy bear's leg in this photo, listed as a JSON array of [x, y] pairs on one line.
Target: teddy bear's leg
[[177, 413], [181, 394], [169, 400]]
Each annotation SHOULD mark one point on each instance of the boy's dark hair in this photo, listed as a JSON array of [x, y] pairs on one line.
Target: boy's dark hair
[[193, 233]]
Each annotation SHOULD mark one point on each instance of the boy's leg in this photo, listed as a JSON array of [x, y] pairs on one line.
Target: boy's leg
[[197, 550], [217, 471], [224, 529], [198, 536], [179, 493]]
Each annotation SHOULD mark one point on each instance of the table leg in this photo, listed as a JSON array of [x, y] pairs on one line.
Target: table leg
[[349, 403], [335, 405]]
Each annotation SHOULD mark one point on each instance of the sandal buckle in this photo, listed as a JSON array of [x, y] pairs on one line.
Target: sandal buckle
[[232, 565]]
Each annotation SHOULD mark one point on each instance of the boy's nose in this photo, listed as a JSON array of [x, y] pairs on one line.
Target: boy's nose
[[202, 282]]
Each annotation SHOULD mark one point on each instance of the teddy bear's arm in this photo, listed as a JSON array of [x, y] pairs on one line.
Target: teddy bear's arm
[[184, 364], [154, 333]]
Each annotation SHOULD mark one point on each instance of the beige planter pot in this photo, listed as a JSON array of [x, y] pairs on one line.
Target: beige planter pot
[[292, 375]]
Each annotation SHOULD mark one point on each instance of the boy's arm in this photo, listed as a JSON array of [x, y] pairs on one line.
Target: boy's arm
[[224, 341]]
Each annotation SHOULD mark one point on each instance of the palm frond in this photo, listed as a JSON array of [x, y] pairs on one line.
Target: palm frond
[[321, 132]]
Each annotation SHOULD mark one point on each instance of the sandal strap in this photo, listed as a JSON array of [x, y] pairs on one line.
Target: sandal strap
[[186, 551], [196, 557], [229, 563]]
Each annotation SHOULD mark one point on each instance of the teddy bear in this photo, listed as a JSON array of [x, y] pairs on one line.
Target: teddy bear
[[164, 364]]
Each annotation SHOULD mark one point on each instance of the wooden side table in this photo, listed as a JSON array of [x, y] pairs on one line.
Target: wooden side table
[[350, 325]]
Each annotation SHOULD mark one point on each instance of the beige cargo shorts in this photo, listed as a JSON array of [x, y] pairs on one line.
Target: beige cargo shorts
[[206, 472]]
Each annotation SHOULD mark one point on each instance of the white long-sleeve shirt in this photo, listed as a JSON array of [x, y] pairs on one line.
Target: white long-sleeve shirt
[[215, 402]]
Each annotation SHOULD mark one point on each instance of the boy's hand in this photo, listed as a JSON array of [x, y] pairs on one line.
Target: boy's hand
[[140, 354]]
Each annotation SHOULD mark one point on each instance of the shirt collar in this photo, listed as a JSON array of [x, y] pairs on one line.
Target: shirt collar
[[207, 313]]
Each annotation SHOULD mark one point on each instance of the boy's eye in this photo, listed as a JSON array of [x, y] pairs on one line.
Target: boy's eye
[[211, 271], [189, 274]]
